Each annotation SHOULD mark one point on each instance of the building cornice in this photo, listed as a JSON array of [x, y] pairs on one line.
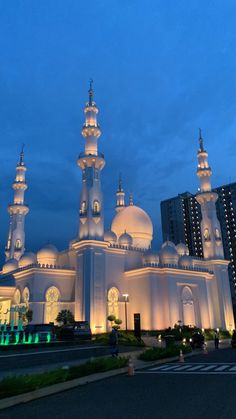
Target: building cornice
[[78, 245], [165, 271]]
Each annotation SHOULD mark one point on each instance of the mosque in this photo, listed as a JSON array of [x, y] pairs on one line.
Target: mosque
[[116, 272]]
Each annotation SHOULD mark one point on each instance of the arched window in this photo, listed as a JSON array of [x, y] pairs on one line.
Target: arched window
[[18, 244], [188, 307], [217, 234], [52, 295], [206, 234], [17, 296], [96, 207], [52, 305], [26, 295], [83, 208], [113, 301]]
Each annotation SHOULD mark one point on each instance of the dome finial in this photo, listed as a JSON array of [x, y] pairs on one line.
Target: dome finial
[[90, 92], [200, 139], [120, 189], [131, 199]]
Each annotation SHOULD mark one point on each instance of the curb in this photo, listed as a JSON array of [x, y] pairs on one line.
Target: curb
[[57, 388]]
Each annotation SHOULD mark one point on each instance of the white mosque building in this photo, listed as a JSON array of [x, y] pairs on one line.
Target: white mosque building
[[102, 272]]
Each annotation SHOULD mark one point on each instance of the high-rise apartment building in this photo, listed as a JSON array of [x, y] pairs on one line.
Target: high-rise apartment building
[[181, 218]]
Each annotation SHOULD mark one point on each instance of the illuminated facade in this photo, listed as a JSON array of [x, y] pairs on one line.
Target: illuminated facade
[[103, 273]]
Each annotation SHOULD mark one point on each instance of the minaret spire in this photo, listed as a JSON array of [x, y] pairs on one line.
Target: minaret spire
[[15, 246], [200, 139], [120, 196], [91, 163], [21, 162], [90, 92], [210, 226]]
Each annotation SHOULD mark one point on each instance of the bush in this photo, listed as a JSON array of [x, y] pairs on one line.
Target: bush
[[65, 317], [126, 339], [11, 386], [154, 354]]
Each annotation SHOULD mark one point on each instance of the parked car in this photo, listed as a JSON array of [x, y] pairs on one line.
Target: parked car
[[77, 331], [233, 339], [42, 330], [197, 340]]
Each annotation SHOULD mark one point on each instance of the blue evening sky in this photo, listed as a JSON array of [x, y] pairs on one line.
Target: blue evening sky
[[161, 70]]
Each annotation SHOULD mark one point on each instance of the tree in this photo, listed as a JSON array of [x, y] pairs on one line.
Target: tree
[[27, 316], [111, 318], [118, 322], [65, 317]]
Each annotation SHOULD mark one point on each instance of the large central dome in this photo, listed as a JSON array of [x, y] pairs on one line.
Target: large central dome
[[137, 223]]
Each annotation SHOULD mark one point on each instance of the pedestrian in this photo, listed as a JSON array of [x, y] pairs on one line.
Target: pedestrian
[[114, 342], [216, 341]]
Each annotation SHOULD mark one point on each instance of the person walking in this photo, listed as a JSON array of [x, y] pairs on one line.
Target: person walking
[[216, 341], [114, 342]]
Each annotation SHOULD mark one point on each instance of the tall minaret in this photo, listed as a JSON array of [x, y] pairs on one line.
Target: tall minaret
[[15, 246], [120, 197], [210, 226], [91, 162]]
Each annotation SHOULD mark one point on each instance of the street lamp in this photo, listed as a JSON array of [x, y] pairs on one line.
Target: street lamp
[[126, 296]]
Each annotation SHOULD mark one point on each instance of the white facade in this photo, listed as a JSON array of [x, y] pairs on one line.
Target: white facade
[[99, 271]]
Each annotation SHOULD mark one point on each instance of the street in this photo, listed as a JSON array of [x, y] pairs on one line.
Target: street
[[202, 387], [37, 360]]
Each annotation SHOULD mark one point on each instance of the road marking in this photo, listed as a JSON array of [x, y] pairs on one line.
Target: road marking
[[195, 368], [222, 368], [209, 367], [50, 351]]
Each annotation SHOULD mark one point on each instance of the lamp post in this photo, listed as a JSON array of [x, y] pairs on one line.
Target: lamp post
[[126, 299]]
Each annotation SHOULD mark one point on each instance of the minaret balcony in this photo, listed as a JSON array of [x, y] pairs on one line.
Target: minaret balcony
[[91, 131], [18, 209], [83, 214], [91, 160], [96, 213], [17, 249]]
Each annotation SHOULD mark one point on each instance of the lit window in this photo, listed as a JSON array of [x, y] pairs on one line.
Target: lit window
[[18, 244], [96, 207]]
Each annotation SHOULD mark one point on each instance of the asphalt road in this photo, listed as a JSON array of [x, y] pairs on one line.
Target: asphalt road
[[38, 358], [149, 394]]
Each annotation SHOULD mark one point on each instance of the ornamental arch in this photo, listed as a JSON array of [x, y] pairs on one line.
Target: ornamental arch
[[52, 304]]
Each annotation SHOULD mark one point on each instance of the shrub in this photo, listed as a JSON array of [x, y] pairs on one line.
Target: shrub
[[154, 354], [11, 386], [126, 339], [65, 317]]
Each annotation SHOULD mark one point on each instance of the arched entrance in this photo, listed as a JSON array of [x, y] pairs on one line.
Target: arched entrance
[[188, 307], [52, 305], [113, 302]]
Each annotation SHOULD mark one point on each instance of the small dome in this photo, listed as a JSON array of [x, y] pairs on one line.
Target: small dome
[[110, 236], [168, 243], [150, 257], [125, 240], [185, 260], [168, 254], [137, 223], [27, 259], [47, 255], [10, 265], [182, 249]]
